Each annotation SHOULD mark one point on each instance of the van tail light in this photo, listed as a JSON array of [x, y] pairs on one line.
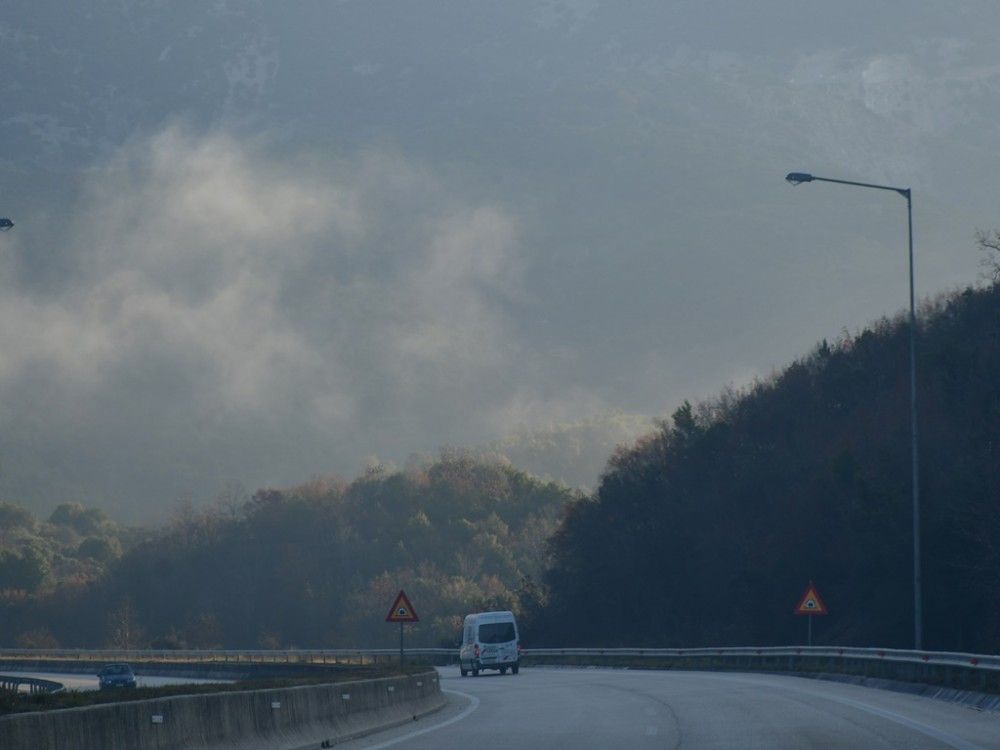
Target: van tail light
[[477, 650]]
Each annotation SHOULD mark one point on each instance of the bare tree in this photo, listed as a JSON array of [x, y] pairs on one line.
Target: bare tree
[[123, 631], [989, 244]]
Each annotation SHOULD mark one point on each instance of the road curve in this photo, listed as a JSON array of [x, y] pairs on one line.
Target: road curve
[[606, 708]]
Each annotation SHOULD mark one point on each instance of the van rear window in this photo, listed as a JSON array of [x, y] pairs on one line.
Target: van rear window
[[496, 632]]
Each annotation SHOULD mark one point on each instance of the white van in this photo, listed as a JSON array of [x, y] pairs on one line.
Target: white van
[[490, 640]]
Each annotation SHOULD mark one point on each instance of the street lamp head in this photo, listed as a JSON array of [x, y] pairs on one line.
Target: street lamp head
[[796, 178], [6, 224]]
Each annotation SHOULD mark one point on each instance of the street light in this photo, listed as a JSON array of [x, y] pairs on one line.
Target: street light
[[6, 224], [797, 178]]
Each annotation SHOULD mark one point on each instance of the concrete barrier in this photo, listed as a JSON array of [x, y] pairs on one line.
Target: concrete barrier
[[278, 719]]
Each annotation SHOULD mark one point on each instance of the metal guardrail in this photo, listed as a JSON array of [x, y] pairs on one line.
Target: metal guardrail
[[979, 673], [379, 655], [34, 685], [942, 658]]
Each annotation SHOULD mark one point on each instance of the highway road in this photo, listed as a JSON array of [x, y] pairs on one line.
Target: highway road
[[604, 708], [89, 682]]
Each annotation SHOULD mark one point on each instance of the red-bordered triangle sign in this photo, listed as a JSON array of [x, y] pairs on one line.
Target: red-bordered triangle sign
[[811, 603], [402, 610]]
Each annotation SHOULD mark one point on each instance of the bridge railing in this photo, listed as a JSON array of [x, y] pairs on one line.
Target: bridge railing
[[32, 685]]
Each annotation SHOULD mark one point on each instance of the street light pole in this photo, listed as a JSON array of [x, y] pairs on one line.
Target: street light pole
[[797, 178]]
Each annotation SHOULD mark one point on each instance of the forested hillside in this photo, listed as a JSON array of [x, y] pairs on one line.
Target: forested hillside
[[705, 532], [708, 531], [313, 566]]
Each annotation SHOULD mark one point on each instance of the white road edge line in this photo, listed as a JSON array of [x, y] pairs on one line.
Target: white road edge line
[[946, 737], [938, 734], [473, 705]]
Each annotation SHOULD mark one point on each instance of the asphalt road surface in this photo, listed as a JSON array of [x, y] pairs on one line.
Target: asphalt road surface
[[606, 708]]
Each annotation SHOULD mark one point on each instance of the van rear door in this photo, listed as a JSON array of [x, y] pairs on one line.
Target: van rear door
[[499, 642]]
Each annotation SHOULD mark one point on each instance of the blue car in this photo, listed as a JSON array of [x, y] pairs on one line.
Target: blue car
[[116, 676]]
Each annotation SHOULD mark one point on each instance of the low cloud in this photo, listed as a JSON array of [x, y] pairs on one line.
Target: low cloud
[[257, 319]]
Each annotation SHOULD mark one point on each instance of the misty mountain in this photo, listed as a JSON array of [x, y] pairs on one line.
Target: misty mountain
[[498, 82], [260, 241], [567, 453]]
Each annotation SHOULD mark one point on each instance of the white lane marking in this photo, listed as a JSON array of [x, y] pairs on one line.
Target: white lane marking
[[473, 705], [652, 731], [947, 738], [938, 734]]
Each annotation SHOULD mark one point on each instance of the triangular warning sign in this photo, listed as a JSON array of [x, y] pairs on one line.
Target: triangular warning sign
[[402, 610], [811, 603]]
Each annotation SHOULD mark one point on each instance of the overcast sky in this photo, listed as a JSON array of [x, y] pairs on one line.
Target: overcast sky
[[261, 241]]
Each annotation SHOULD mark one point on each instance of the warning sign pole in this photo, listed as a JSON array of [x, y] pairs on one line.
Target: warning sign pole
[[810, 605], [402, 612]]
